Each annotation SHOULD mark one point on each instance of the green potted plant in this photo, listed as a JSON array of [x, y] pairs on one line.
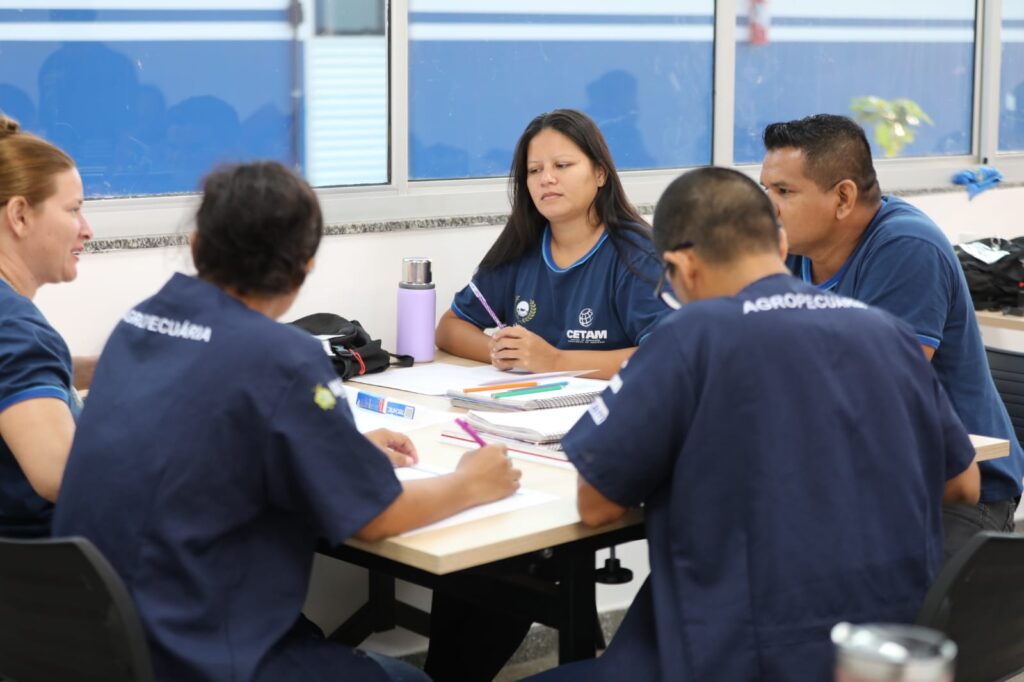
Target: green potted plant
[[895, 121]]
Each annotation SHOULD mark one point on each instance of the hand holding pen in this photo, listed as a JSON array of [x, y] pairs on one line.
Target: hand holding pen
[[519, 348], [489, 469]]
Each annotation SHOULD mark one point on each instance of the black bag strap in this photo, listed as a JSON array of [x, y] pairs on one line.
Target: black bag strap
[[401, 360]]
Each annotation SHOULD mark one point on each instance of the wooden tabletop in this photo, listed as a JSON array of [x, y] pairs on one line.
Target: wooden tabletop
[[993, 318], [986, 447], [499, 537]]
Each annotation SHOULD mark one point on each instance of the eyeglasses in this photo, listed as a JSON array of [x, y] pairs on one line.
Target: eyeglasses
[[664, 288]]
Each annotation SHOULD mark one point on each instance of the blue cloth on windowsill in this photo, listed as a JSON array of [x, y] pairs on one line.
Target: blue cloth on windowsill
[[977, 181]]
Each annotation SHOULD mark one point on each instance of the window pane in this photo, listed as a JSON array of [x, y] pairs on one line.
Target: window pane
[[147, 101], [800, 57], [347, 95], [1011, 120], [479, 71], [349, 17]]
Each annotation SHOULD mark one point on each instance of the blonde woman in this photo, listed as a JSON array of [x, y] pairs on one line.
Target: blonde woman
[[42, 235]]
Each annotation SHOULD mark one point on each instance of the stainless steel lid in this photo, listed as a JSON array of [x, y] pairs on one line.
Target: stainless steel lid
[[416, 273], [907, 653]]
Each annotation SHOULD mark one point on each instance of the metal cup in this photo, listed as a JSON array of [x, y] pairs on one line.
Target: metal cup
[[881, 652]]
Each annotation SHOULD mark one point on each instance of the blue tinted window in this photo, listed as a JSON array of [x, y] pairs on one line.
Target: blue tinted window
[[1011, 112], [797, 57], [479, 71], [147, 101]]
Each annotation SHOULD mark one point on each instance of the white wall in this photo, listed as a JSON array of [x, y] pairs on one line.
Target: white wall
[[357, 275]]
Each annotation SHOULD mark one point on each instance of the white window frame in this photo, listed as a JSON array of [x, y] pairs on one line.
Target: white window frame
[[402, 199]]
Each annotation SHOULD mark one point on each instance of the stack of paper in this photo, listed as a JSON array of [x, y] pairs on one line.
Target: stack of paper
[[540, 427], [437, 378], [517, 449]]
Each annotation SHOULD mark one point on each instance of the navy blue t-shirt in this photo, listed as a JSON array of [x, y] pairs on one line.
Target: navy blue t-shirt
[[34, 363], [597, 303], [215, 448], [906, 266], [784, 444]]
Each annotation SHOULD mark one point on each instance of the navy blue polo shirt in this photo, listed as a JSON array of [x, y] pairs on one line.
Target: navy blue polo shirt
[[905, 265], [215, 448], [34, 363], [784, 445], [597, 303]]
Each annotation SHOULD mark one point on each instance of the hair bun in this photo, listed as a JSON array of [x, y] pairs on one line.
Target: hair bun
[[8, 126]]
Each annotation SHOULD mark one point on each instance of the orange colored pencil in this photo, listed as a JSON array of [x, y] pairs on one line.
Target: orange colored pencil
[[499, 387]]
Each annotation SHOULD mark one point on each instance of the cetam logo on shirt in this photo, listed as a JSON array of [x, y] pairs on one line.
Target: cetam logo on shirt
[[586, 335], [586, 317]]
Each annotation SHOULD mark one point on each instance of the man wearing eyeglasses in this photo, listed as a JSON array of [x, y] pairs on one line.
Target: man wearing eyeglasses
[[791, 448], [847, 238]]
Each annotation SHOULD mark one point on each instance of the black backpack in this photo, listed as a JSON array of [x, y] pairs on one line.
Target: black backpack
[[996, 286], [354, 353]]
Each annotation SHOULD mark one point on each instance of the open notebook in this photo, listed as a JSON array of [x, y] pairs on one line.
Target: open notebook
[[578, 391], [541, 427]]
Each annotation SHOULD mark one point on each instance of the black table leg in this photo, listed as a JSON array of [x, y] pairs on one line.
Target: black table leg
[[577, 630], [381, 612]]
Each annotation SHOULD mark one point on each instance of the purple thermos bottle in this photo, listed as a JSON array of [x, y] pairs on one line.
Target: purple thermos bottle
[[417, 310]]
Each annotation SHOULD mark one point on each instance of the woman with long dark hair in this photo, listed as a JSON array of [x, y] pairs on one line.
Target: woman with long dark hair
[[570, 277], [571, 280]]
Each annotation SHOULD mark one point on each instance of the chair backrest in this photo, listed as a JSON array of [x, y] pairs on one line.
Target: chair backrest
[[978, 601], [66, 615], [1008, 373]]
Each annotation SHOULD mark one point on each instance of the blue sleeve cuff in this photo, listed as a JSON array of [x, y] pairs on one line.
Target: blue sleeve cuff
[[34, 392], [596, 478], [929, 341], [463, 316]]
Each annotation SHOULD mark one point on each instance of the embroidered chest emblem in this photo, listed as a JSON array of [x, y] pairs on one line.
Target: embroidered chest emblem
[[324, 398], [586, 317], [526, 310]]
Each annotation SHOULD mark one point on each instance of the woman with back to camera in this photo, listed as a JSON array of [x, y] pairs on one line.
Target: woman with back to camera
[[217, 446], [42, 235], [570, 277]]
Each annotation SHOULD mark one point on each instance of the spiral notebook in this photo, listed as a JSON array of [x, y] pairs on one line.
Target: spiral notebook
[[577, 391], [545, 427]]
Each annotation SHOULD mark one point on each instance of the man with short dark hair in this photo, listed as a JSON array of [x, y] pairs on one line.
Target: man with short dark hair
[[791, 448], [849, 239]]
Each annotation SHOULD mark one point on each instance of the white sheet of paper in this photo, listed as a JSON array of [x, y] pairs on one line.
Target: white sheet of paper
[[983, 252], [522, 499], [368, 420], [516, 449], [436, 378]]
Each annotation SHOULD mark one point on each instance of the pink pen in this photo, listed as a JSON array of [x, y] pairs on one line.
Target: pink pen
[[471, 432], [487, 307]]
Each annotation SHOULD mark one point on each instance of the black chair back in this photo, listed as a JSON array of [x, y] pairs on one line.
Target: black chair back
[[1008, 373], [978, 601], [66, 615]]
